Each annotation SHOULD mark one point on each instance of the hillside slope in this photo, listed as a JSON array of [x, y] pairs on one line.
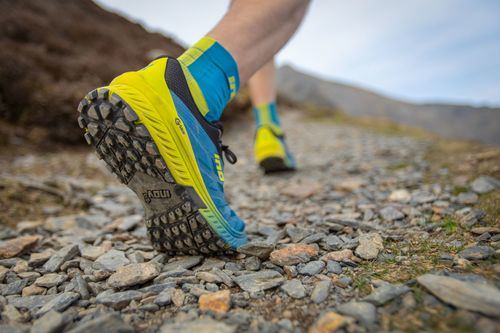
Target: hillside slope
[[52, 53], [452, 121]]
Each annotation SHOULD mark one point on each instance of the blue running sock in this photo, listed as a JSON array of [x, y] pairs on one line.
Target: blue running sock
[[267, 115], [212, 76]]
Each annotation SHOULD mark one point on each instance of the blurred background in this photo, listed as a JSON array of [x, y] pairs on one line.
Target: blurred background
[[424, 64], [434, 66]]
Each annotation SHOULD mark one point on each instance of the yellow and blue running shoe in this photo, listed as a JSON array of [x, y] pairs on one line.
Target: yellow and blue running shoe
[[147, 127], [271, 151]]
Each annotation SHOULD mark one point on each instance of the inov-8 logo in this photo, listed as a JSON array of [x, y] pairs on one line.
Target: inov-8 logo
[[156, 194]]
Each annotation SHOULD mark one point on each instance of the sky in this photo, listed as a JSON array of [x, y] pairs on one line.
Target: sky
[[416, 50]]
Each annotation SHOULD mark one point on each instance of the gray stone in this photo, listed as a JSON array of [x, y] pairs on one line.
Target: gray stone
[[38, 259], [364, 312], [211, 263], [13, 288], [469, 217], [112, 260], [257, 248], [233, 266], [4, 328], [467, 198], [297, 233], [30, 302], [158, 288], [200, 325], [133, 274], [164, 298], [252, 263], [82, 287], [182, 262], [59, 303], [60, 257], [333, 242], [224, 277], [92, 252], [333, 267], [129, 222], [369, 246], [401, 195], [385, 293], [473, 296], [314, 238], [259, 281], [344, 281], [11, 314], [51, 322], [118, 300], [208, 277], [109, 323], [50, 280], [321, 291], [178, 297], [484, 184], [390, 213], [422, 197], [480, 252], [312, 268], [294, 288]]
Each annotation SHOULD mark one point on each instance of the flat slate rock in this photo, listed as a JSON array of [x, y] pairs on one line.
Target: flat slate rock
[[365, 313], [51, 322], [4, 328], [109, 323], [59, 303], [30, 302], [312, 268], [321, 291], [480, 252], [112, 260], [202, 325], [472, 296], [390, 213], [13, 288], [60, 257], [118, 300], [484, 184], [294, 288], [386, 293], [16, 246], [369, 246], [133, 274], [183, 262], [259, 281], [261, 249]]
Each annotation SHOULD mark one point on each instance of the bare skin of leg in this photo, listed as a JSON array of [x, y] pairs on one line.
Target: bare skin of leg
[[262, 85], [254, 31]]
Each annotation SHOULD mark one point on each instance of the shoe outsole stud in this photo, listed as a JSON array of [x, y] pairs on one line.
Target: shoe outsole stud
[[173, 221]]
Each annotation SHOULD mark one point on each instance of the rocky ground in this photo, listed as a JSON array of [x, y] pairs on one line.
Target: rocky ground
[[367, 236]]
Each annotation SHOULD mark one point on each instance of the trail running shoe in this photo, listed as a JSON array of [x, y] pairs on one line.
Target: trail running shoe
[[147, 128], [271, 151]]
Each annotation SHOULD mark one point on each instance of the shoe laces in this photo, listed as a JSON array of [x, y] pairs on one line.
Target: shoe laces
[[228, 153]]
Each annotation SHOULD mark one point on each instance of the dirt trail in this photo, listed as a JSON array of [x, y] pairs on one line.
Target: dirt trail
[[356, 240]]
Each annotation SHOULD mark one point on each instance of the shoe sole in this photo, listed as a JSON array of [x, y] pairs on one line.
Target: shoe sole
[[274, 165], [173, 211]]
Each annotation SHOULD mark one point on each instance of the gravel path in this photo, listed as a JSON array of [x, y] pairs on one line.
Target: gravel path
[[355, 241]]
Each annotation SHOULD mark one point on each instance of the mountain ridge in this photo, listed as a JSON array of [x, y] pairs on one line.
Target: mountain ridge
[[448, 120]]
